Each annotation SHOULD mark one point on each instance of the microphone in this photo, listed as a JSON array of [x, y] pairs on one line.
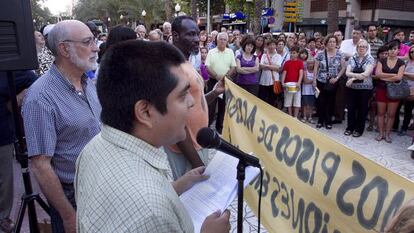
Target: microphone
[[208, 138]]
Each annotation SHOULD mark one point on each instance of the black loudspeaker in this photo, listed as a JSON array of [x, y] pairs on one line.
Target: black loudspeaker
[[17, 45]]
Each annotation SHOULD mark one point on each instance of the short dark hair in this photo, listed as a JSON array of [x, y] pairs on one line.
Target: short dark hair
[[280, 40], [176, 25], [393, 44], [312, 39], [294, 49], [204, 48], [371, 25], [120, 33], [382, 49], [135, 70], [248, 40], [270, 41], [328, 37], [398, 30], [359, 28]]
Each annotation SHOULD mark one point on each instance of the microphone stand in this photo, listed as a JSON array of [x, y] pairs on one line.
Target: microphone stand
[[241, 175]]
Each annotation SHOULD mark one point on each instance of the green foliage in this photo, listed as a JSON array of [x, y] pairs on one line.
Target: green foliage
[[217, 7], [130, 9], [40, 14]]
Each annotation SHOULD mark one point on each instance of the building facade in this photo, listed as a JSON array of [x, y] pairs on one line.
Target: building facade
[[386, 13]]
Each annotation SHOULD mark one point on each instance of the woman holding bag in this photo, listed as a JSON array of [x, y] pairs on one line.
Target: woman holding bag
[[329, 67], [409, 102], [359, 86], [388, 70], [270, 65]]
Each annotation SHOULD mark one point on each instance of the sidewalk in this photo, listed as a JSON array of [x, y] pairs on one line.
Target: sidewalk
[[393, 156]]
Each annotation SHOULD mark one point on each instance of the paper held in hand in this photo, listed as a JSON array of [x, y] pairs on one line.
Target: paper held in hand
[[216, 193]]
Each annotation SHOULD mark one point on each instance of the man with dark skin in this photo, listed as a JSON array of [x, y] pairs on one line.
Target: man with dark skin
[[188, 154]]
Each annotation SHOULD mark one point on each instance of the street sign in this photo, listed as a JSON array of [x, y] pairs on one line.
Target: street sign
[[291, 15], [291, 4], [291, 9], [263, 22]]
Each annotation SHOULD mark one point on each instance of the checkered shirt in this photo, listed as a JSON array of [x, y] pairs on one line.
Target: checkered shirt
[[123, 185], [59, 121]]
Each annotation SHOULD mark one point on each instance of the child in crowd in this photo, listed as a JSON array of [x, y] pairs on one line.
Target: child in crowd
[[303, 56], [203, 69], [293, 73], [308, 92]]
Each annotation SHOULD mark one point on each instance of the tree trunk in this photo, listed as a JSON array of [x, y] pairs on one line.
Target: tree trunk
[[333, 11], [258, 6], [194, 10], [168, 6]]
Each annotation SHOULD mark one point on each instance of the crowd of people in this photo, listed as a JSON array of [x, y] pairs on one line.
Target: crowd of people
[[105, 105]]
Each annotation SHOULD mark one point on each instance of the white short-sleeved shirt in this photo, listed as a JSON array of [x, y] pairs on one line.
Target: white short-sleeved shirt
[[266, 77]]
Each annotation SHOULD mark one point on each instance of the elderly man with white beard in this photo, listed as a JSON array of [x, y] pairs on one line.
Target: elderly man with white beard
[[61, 115]]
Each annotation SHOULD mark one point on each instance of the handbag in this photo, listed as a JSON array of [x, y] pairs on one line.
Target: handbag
[[358, 69], [277, 86], [411, 85], [398, 90], [328, 85]]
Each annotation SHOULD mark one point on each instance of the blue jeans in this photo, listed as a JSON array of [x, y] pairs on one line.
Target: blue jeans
[[56, 220]]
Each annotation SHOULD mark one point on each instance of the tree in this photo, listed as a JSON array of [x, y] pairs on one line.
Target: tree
[[131, 10], [194, 10], [168, 6], [40, 14], [258, 6], [333, 11]]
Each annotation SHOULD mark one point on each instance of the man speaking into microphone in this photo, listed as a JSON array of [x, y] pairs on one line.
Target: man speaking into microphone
[[123, 180]]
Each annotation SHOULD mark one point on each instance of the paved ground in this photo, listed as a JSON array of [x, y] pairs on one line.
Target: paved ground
[[392, 156]]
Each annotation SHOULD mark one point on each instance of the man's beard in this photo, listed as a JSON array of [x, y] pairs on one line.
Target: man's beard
[[87, 65]]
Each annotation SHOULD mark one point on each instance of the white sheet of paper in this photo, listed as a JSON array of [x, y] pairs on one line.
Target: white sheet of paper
[[216, 193]]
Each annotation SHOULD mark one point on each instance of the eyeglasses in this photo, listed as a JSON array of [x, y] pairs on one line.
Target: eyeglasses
[[90, 41], [411, 52], [363, 46]]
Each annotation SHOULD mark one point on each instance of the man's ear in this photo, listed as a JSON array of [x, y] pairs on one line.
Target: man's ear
[[143, 113], [175, 35], [63, 50]]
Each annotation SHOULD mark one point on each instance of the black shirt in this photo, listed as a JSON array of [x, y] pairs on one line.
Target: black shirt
[[23, 79]]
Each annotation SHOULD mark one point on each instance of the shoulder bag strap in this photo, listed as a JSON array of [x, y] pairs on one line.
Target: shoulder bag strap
[[271, 71]]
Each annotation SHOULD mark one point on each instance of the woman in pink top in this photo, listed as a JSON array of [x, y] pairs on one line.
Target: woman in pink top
[[399, 35]]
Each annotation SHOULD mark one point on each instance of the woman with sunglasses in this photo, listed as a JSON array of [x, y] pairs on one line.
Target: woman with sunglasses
[[390, 69]]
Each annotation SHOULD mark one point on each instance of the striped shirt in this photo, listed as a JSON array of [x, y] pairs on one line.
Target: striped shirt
[[59, 121], [375, 45], [123, 184]]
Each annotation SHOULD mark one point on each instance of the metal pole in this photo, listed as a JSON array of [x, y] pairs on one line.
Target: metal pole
[[208, 16]]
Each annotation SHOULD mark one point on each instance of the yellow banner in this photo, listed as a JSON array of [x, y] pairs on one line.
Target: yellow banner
[[311, 183]]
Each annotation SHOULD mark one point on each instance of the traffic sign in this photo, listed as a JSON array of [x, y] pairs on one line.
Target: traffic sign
[[291, 14], [291, 4], [294, 9]]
